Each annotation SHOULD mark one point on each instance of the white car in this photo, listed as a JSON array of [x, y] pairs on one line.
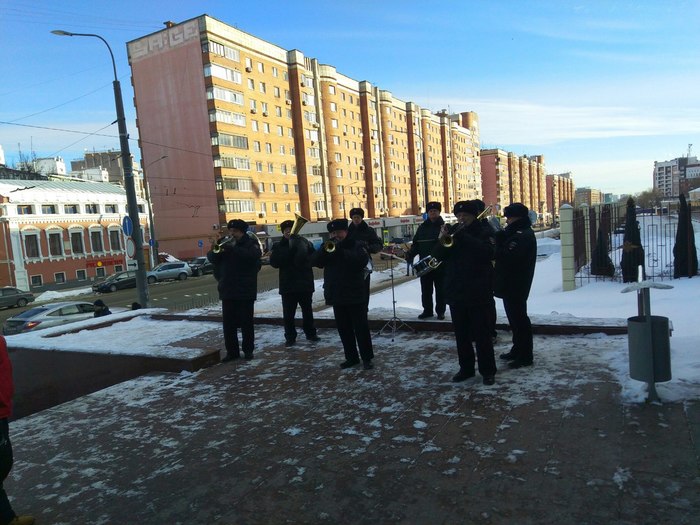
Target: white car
[[48, 315], [169, 270]]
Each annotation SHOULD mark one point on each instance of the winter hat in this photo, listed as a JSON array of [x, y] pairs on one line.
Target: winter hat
[[357, 211], [286, 224], [99, 302], [481, 204], [470, 207], [337, 224], [238, 224], [434, 205], [516, 209]]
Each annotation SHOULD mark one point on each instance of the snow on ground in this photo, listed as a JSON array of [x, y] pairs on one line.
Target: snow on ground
[[547, 303]]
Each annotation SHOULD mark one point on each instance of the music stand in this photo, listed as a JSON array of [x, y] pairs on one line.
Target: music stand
[[395, 323]]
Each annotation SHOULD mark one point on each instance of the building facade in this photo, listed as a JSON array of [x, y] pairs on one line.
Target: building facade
[[60, 232], [258, 132]]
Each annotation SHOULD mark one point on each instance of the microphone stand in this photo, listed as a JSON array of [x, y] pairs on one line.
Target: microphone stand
[[394, 323]]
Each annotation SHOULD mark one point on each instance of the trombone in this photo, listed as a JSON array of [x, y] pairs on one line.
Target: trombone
[[220, 245]]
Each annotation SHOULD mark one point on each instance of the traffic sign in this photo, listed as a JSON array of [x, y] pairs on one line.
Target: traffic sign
[[127, 226], [151, 242], [130, 248], [200, 243]]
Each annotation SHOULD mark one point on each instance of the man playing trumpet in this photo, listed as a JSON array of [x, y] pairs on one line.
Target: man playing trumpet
[[291, 256], [236, 261], [466, 251]]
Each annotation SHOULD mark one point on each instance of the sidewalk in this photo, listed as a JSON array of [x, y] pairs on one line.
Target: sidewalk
[[290, 438]]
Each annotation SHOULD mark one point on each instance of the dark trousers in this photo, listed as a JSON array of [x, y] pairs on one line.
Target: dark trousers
[[6, 512], [427, 282], [472, 322], [289, 310], [238, 314], [520, 325], [353, 329], [367, 287]]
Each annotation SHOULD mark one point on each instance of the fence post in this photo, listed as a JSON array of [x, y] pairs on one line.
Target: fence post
[[586, 231], [566, 235]]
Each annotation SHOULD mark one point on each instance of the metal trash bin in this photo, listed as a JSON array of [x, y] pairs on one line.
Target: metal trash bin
[[649, 348]]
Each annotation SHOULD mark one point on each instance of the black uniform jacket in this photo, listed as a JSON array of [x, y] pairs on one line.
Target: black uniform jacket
[[343, 272], [366, 234], [237, 266], [291, 256], [467, 265], [425, 238], [516, 255]]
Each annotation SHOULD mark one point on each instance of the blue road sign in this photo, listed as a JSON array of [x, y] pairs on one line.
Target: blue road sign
[[127, 226], [151, 242], [200, 243]]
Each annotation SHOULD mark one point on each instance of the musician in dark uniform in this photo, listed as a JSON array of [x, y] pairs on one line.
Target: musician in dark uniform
[[236, 264], [291, 256], [359, 230], [344, 260], [468, 290], [423, 243], [516, 255]]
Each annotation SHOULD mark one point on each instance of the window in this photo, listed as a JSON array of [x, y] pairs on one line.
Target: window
[[238, 184], [234, 141], [31, 245], [334, 123], [261, 186], [275, 72], [282, 151], [256, 145], [76, 242], [36, 280], [25, 209], [70, 209], [100, 271], [81, 275], [285, 188], [96, 240], [334, 106], [268, 147], [261, 67], [115, 240], [92, 208], [238, 206], [48, 209], [254, 125], [331, 90], [219, 49], [110, 208], [259, 167], [226, 95], [280, 131], [270, 167], [226, 161], [262, 87], [59, 278], [225, 73], [276, 91], [272, 187], [55, 244], [251, 83]]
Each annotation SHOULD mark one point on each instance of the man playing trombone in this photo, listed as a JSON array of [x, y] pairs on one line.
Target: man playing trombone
[[466, 252], [424, 241], [291, 256], [344, 260], [236, 261]]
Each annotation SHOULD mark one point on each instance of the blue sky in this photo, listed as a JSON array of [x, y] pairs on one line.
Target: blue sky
[[600, 88]]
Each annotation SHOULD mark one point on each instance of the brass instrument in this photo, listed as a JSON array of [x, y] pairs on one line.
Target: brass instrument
[[448, 241], [329, 246], [220, 245], [299, 222]]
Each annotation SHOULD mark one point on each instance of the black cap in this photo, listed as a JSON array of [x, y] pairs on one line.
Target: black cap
[[517, 209], [337, 224], [286, 224], [238, 224], [434, 205], [99, 302], [470, 207], [481, 204], [357, 211]]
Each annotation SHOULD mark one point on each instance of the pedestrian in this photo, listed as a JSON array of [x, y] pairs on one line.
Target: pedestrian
[[516, 255], [101, 308], [7, 515], [359, 230], [424, 240], [296, 278], [236, 261], [136, 306], [468, 290], [343, 260]]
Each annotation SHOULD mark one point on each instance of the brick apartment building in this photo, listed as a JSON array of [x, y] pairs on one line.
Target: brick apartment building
[[258, 132]]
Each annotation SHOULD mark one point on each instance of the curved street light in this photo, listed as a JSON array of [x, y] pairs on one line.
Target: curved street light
[[141, 284]]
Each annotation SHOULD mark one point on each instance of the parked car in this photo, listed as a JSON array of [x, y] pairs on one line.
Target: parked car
[[48, 315], [169, 270], [10, 297], [117, 281], [201, 266]]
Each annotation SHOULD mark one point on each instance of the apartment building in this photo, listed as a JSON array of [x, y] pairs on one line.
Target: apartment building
[[258, 132], [60, 232], [560, 190], [671, 177], [589, 196]]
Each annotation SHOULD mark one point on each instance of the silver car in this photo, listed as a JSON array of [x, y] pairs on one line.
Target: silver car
[[169, 270], [48, 315]]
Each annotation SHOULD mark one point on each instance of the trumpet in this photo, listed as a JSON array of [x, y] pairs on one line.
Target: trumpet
[[329, 246], [220, 245], [448, 240]]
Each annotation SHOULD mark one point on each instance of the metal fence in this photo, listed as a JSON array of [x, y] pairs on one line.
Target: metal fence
[[657, 231]]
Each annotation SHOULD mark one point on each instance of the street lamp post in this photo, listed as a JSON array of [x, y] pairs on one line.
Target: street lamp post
[[151, 225], [141, 284], [424, 169]]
